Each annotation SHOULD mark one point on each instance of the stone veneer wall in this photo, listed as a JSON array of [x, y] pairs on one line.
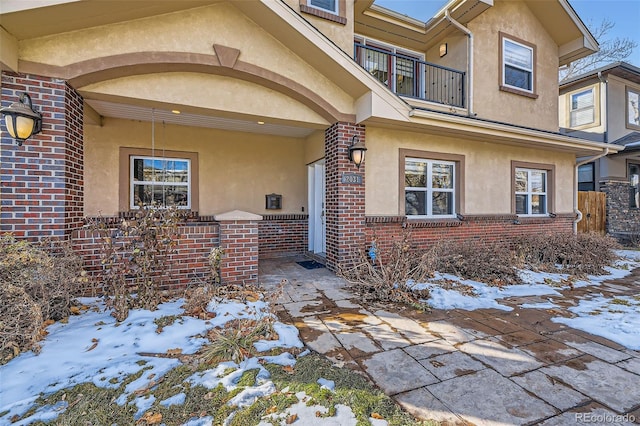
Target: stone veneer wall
[[623, 221]]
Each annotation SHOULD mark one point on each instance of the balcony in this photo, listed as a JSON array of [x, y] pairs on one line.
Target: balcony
[[410, 77]]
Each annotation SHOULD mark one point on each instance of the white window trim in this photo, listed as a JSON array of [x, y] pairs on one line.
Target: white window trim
[[529, 192], [429, 189], [133, 182], [336, 10], [504, 65], [592, 107]]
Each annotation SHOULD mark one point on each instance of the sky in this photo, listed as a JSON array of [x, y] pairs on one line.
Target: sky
[[625, 14]]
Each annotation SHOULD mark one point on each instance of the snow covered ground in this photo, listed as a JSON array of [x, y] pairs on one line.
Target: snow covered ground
[[615, 318]]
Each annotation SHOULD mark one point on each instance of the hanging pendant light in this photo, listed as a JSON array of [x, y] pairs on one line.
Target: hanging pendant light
[[21, 120]]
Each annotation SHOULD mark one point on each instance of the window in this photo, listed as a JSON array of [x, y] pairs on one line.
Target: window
[[518, 65], [328, 5], [582, 108], [397, 69], [634, 179], [163, 181], [531, 191], [633, 109], [429, 188], [586, 177]]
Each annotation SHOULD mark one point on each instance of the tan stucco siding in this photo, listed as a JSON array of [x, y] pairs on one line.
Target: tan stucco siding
[[592, 131], [489, 101], [456, 56], [212, 92], [487, 171], [236, 169], [193, 31], [617, 107], [314, 147]]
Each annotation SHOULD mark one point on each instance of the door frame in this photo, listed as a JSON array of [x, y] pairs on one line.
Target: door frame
[[317, 213]]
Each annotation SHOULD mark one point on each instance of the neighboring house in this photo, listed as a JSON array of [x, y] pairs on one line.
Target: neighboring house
[[603, 105], [244, 112]]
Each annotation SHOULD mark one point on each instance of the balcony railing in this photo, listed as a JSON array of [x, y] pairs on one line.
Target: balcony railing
[[411, 77]]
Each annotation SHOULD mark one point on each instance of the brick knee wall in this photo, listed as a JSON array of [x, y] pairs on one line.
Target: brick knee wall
[[189, 263], [239, 240], [41, 182], [499, 229], [282, 235]]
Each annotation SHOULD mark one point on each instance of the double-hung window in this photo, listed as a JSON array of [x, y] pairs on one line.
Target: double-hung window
[[582, 108], [161, 182], [531, 191], [326, 5], [430, 188], [518, 59]]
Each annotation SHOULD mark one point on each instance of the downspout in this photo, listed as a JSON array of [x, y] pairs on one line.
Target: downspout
[[465, 30], [575, 187]]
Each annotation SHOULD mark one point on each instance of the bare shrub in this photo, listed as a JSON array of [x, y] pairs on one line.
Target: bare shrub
[[20, 322], [198, 297], [580, 254], [387, 276], [134, 255], [487, 262]]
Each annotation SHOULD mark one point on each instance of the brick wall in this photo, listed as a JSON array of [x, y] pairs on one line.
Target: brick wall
[[41, 182], [490, 228], [282, 235], [239, 240], [622, 219], [345, 202], [189, 263]]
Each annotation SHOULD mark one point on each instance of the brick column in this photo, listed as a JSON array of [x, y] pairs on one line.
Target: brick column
[[345, 197], [41, 182], [239, 240]]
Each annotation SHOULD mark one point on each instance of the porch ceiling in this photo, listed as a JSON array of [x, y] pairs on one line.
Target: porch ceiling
[[161, 114]]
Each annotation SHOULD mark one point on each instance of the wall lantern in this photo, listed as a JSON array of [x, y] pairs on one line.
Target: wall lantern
[[21, 119], [356, 151]]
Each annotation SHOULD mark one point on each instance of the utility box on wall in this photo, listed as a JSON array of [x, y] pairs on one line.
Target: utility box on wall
[[273, 201]]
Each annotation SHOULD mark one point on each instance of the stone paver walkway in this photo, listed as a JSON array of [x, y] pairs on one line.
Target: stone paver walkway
[[484, 367]]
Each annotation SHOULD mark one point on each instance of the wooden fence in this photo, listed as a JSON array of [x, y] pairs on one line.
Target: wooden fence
[[594, 214]]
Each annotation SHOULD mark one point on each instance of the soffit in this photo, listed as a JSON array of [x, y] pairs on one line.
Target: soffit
[[130, 110]]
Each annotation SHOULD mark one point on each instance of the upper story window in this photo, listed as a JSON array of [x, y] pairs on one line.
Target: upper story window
[[582, 110], [326, 5], [161, 182], [633, 108], [517, 65]]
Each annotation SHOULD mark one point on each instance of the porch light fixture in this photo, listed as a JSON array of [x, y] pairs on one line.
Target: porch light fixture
[[356, 151], [21, 120]]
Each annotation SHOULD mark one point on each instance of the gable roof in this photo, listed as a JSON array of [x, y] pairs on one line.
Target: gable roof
[[620, 69]]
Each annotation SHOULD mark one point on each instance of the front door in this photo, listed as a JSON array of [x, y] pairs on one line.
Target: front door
[[317, 223]]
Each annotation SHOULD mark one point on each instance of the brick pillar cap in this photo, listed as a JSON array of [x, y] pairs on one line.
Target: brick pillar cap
[[236, 215]]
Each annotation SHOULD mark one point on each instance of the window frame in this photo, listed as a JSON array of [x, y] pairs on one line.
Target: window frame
[[458, 180], [595, 107], [549, 170], [335, 10], [132, 182], [339, 15], [629, 94], [591, 182], [503, 37], [126, 176]]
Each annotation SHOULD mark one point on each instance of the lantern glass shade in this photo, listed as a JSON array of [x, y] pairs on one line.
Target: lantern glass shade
[[21, 120], [19, 127], [357, 151]]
